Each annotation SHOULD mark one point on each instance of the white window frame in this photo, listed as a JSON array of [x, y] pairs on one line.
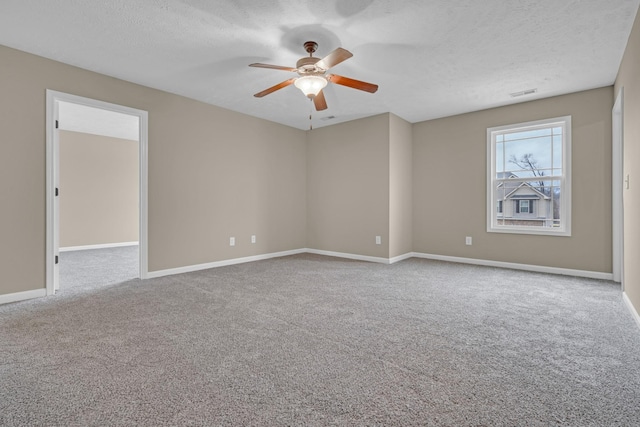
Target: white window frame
[[565, 179]]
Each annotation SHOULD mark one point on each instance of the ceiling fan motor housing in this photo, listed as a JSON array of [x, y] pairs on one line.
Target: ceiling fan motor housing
[[308, 65]]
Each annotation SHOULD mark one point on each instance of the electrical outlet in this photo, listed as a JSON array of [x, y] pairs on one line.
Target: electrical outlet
[[232, 241], [253, 238], [468, 240], [378, 240]]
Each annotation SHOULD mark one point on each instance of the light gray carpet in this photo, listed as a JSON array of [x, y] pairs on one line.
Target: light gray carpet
[[94, 268], [311, 340]]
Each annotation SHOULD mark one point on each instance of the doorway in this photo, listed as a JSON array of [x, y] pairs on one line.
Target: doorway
[[93, 117], [617, 188]]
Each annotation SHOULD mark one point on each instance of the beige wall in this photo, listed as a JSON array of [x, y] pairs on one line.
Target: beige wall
[[222, 174], [348, 187], [359, 186], [213, 173], [629, 79], [400, 186], [99, 194], [449, 185]]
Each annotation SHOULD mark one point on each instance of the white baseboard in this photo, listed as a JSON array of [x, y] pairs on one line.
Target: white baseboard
[[401, 258], [102, 246], [632, 309], [224, 263], [21, 296], [516, 266], [379, 260], [206, 266]]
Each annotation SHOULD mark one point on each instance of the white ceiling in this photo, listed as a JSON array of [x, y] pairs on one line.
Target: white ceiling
[[431, 58]]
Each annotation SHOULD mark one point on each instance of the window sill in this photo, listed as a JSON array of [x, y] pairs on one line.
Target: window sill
[[532, 231]]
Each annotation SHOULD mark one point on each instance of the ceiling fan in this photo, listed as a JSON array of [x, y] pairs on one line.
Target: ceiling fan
[[313, 77]]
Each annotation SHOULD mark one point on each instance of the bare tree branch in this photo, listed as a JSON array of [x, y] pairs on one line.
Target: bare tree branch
[[529, 163]]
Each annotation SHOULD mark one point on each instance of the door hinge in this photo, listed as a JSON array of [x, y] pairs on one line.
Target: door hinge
[[57, 124], [56, 259], [57, 192]]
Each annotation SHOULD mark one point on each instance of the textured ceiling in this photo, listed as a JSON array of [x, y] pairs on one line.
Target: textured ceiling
[[431, 58]]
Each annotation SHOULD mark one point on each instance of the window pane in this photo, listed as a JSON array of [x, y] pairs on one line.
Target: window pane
[[499, 195], [557, 154], [556, 206], [529, 157], [528, 203], [499, 158]]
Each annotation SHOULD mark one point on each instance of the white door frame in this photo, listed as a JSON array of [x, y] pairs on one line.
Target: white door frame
[[52, 182], [617, 187]]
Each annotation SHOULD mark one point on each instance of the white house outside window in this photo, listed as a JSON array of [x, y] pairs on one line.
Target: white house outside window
[[529, 177]]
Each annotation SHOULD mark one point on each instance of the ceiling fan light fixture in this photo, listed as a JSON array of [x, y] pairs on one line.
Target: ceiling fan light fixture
[[310, 85]]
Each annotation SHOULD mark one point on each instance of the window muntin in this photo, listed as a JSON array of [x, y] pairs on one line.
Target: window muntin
[[529, 177]]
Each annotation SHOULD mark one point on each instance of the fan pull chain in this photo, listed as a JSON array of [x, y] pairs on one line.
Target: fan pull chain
[[310, 113]]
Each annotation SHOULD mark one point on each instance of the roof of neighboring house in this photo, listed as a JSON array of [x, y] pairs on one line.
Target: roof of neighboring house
[[513, 186]]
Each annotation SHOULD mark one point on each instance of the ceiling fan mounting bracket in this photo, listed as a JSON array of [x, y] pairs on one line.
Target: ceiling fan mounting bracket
[[310, 47]]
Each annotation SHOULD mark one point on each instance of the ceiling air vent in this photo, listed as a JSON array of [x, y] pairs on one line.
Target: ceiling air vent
[[523, 93]]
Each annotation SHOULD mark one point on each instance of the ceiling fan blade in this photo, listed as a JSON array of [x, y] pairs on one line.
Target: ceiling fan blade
[[274, 67], [320, 102], [334, 58], [355, 84], [274, 88]]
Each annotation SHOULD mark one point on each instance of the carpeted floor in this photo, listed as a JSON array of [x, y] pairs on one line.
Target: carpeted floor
[[94, 268], [311, 340]]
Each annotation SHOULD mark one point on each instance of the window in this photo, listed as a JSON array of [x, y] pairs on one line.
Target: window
[[529, 177]]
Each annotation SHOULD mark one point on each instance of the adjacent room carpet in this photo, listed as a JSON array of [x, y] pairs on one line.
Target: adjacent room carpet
[[94, 268], [312, 340]]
